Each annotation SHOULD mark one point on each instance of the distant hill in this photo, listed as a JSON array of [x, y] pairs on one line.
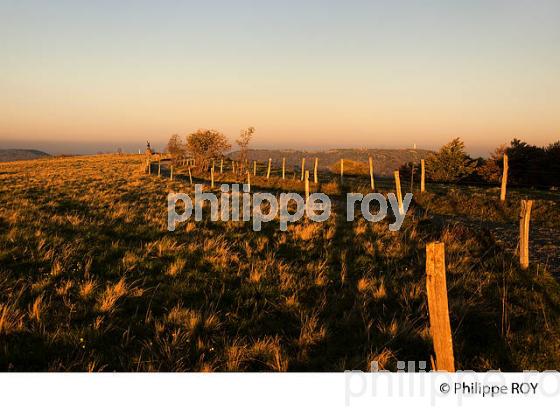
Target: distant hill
[[21, 154], [385, 160]]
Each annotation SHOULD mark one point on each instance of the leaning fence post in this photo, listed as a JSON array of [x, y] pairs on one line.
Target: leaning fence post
[[525, 217], [440, 328], [372, 181], [399, 192], [268, 169], [315, 176], [306, 187], [422, 176], [302, 168], [504, 179], [190, 175]]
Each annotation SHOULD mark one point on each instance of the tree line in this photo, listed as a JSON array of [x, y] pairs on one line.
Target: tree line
[[529, 165]]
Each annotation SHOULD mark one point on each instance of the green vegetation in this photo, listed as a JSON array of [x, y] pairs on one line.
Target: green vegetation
[[450, 164]]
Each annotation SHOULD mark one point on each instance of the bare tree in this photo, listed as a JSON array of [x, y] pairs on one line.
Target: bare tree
[[175, 147], [243, 142]]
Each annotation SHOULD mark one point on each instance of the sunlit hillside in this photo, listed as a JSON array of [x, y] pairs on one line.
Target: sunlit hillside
[[91, 279]]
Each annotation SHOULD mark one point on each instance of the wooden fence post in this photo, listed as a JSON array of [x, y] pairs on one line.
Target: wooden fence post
[[254, 168], [159, 168], [371, 180], [341, 170], [525, 217], [302, 168], [212, 177], [248, 181], [438, 308], [422, 176], [149, 166], [283, 168], [412, 176], [315, 176], [399, 192], [221, 166], [306, 187], [232, 166], [171, 173], [268, 169], [190, 174], [504, 179]]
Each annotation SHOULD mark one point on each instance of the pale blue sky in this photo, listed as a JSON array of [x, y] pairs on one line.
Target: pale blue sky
[[94, 75]]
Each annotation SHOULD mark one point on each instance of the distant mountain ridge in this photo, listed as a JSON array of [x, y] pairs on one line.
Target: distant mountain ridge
[[7, 155], [385, 160]]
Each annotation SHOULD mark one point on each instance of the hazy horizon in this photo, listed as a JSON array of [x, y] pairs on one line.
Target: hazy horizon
[[60, 147], [82, 77]]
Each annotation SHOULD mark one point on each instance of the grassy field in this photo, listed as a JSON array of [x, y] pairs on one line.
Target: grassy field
[[91, 280]]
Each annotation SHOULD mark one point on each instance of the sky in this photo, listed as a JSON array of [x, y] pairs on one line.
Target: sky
[[83, 76]]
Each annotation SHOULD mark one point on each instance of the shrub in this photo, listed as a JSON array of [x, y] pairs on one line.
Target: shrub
[[450, 163], [205, 145]]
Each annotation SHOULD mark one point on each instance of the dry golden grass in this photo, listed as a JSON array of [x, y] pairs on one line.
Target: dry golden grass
[[91, 280], [11, 320], [108, 299]]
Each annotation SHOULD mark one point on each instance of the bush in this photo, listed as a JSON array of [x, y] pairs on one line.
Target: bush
[[450, 163], [529, 165], [205, 145]]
